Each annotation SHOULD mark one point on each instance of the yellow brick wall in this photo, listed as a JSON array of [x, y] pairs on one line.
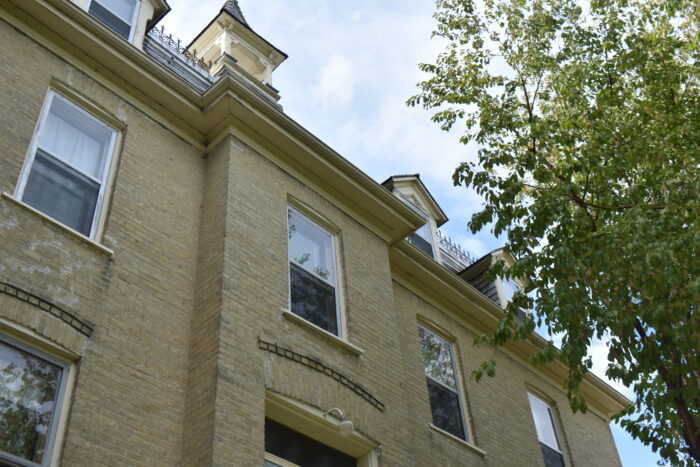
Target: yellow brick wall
[[173, 373]]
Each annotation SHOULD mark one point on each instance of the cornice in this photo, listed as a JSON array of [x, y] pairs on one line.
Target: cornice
[[231, 104], [431, 281]]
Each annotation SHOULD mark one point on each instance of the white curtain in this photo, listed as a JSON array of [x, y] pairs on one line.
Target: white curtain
[[75, 138]]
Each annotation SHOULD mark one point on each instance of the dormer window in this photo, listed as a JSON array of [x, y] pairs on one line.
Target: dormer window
[[410, 190], [423, 237], [118, 15], [508, 289]]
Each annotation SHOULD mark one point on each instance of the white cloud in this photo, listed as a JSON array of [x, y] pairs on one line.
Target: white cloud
[[336, 83]]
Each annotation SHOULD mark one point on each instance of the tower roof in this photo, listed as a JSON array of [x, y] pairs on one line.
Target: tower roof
[[234, 9]]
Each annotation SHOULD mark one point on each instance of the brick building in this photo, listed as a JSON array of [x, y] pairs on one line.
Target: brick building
[[189, 277]]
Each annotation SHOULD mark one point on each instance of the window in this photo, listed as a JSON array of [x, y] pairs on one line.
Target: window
[[421, 238], [67, 165], [546, 432], [31, 389], [443, 388], [312, 273], [509, 288], [118, 15], [285, 447]]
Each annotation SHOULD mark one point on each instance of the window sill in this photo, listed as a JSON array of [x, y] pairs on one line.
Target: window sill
[[466, 444], [73, 233], [322, 332]]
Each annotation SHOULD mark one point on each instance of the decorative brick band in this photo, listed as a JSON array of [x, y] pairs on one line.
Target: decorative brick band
[[321, 368], [68, 318]]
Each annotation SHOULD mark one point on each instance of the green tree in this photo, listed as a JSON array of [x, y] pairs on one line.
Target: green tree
[[587, 120]]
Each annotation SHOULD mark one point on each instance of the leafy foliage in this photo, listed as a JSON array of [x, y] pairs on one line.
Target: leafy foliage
[[588, 127]]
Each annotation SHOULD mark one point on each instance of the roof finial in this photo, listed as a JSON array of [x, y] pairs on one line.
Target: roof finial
[[233, 8]]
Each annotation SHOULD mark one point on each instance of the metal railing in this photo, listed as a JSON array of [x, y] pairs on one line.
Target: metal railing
[[454, 249], [176, 46]]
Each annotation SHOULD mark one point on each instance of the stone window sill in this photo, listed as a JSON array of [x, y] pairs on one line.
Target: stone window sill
[[73, 233], [322, 332], [466, 444]]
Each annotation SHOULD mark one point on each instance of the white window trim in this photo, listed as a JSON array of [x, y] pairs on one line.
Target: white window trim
[[279, 461], [134, 16], [336, 259], [501, 292], [106, 170], [311, 422], [52, 449], [552, 419], [460, 394]]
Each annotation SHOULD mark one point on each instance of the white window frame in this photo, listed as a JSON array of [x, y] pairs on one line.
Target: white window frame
[[279, 461], [134, 16], [33, 147], [552, 419], [336, 286], [51, 439], [458, 386], [501, 290]]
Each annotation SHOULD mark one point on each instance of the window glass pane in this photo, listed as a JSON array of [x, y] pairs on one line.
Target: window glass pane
[[28, 390], [437, 358], [424, 232], [311, 247], [509, 289], [421, 243], [124, 9], [444, 404], [109, 19], [292, 446], [74, 137], [60, 192], [544, 424], [551, 457], [312, 299]]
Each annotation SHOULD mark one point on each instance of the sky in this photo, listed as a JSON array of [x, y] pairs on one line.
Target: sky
[[352, 65]]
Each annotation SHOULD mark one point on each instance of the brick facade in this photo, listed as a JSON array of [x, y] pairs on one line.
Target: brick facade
[[164, 317]]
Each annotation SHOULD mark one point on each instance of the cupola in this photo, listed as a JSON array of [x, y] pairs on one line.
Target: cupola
[[231, 45]]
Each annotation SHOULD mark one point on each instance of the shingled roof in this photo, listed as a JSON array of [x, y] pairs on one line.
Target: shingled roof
[[234, 9]]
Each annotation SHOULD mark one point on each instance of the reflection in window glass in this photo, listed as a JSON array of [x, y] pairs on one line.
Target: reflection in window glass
[[312, 273], [116, 14], [28, 392], [544, 425], [442, 383], [509, 289]]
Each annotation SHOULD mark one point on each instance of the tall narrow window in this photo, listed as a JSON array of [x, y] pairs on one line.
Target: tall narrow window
[[443, 388], [312, 273], [118, 15], [546, 432], [68, 164], [31, 388]]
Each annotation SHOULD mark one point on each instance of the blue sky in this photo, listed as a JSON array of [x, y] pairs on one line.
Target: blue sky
[[351, 67]]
